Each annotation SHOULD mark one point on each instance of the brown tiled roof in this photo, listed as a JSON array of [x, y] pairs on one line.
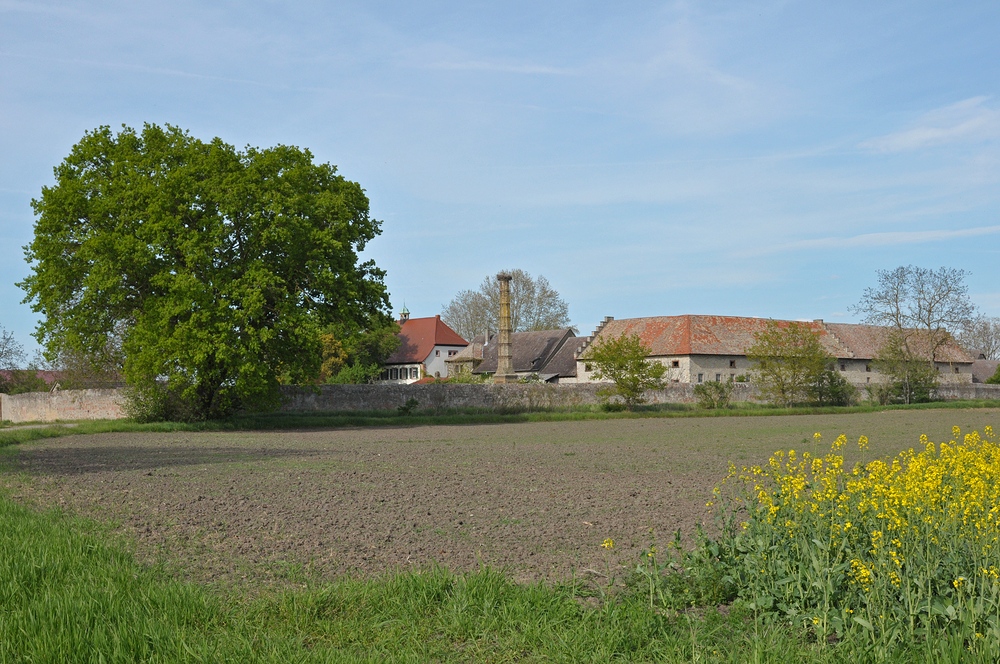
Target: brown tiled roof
[[983, 370], [530, 351], [700, 335], [732, 335], [864, 342], [419, 336], [48, 376]]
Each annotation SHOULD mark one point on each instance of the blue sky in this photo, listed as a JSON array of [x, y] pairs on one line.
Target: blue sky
[[760, 159]]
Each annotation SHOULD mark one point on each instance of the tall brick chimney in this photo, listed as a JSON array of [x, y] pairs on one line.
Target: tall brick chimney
[[505, 367]]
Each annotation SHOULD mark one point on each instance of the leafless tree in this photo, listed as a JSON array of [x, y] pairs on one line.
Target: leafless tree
[[982, 335], [11, 352], [926, 307], [534, 305]]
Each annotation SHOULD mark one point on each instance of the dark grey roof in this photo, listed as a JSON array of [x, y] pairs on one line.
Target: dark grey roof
[[530, 351], [563, 362]]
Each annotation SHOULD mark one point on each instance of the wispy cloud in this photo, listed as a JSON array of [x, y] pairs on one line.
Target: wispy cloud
[[436, 56], [969, 120], [142, 69], [499, 67], [869, 240], [8, 6]]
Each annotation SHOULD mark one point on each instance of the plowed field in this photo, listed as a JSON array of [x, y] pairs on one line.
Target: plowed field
[[536, 499]]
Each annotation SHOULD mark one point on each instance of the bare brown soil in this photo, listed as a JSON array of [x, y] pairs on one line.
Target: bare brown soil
[[536, 499]]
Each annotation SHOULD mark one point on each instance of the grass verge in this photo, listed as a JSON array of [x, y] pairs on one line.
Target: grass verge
[[67, 595]]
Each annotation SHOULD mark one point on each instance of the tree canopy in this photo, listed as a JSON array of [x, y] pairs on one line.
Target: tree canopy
[[622, 360], [17, 375], [919, 304], [982, 336], [11, 352], [206, 273], [534, 305], [910, 379], [791, 366], [925, 310]]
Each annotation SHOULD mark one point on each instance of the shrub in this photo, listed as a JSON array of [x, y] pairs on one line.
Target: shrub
[[465, 376], [714, 394], [832, 389], [408, 407]]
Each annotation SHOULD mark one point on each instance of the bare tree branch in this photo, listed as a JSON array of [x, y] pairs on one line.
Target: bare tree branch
[[932, 305], [534, 305], [982, 336]]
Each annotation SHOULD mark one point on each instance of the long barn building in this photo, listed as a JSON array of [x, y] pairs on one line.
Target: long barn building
[[696, 349]]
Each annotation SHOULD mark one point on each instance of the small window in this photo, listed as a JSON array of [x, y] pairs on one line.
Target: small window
[[414, 372], [868, 380], [956, 369], [701, 378], [868, 368], [452, 353], [843, 366], [732, 364], [437, 353], [394, 374], [587, 367], [718, 378], [732, 378], [675, 363], [385, 374]]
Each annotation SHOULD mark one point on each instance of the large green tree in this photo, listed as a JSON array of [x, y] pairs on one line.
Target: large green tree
[[204, 272]]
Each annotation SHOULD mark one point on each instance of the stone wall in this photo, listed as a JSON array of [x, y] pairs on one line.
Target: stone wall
[[949, 392], [62, 405], [107, 404], [516, 396]]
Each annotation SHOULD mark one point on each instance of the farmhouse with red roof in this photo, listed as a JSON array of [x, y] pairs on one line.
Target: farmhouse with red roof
[[696, 349], [425, 345]]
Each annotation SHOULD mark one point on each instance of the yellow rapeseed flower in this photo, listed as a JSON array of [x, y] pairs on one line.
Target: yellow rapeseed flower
[[608, 543]]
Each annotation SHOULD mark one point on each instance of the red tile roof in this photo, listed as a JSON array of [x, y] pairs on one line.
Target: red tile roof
[[419, 336], [731, 335], [700, 335], [48, 376]]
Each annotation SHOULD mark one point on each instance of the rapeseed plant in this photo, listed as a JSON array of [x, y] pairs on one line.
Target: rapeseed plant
[[890, 551]]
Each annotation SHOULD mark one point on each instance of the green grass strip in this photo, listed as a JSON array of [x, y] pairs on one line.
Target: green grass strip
[[67, 595]]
